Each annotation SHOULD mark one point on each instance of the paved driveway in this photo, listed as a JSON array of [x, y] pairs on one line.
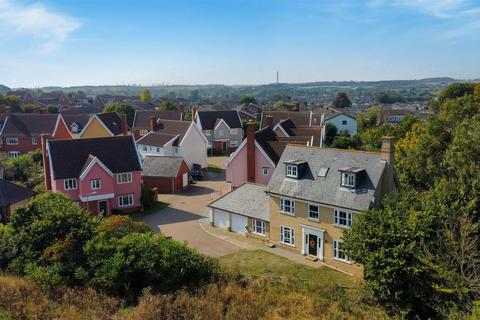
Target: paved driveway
[[181, 219]]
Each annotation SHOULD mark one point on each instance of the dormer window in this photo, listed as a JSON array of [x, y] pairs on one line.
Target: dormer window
[[292, 171], [348, 179]]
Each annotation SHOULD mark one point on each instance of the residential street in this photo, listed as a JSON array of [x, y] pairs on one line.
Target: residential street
[[181, 219]]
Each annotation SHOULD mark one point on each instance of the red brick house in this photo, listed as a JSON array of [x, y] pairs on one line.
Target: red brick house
[[20, 133], [165, 174]]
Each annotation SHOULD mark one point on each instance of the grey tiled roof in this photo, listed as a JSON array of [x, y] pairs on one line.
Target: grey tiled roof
[[249, 200], [29, 125], [11, 193], [159, 166], [327, 190]]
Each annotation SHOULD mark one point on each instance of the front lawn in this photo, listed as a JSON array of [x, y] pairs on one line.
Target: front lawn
[[262, 263]]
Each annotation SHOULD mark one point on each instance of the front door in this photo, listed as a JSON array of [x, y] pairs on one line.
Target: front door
[[312, 245], [102, 208]]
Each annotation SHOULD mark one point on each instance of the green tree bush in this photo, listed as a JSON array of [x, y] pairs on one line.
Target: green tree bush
[[120, 108]]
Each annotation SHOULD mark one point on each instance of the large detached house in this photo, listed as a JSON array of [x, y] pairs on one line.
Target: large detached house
[[102, 175], [223, 129], [20, 133], [174, 138], [142, 120], [316, 193]]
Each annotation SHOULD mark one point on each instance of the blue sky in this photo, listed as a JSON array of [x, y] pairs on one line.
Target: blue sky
[[80, 42]]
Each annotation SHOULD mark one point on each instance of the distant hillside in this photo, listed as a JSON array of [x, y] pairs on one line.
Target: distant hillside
[[4, 89]]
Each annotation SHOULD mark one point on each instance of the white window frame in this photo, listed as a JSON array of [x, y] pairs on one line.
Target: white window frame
[[337, 218], [259, 227], [95, 184], [129, 200], [348, 179], [12, 141], [337, 252], [176, 150], [265, 171], [70, 184], [144, 148], [292, 171], [310, 211], [233, 143], [34, 141], [208, 132], [125, 177], [234, 131], [287, 208], [290, 241], [13, 154]]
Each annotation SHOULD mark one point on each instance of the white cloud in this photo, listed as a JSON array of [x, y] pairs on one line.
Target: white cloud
[[438, 8], [50, 28]]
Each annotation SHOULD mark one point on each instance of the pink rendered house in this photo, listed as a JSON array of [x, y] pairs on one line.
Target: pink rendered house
[[102, 175], [258, 155]]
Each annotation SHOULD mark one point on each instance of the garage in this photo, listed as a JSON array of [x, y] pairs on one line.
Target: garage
[[239, 223], [165, 174], [220, 219]]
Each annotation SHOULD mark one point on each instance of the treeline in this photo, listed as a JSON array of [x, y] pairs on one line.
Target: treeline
[[421, 249]]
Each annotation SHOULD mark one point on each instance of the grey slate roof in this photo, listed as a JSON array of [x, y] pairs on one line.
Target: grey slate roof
[[29, 125], [68, 157], [249, 200], [10, 193], [155, 139], [142, 118], [112, 121], [159, 166], [80, 119], [208, 119], [327, 190]]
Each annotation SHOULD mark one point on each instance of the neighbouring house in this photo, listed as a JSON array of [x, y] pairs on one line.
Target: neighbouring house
[[243, 210], [56, 98], [109, 124], [223, 129], [165, 174], [258, 155], [174, 138], [302, 123], [21, 133], [392, 115], [11, 197], [75, 123], [316, 193], [103, 175], [250, 112], [141, 120], [25, 96]]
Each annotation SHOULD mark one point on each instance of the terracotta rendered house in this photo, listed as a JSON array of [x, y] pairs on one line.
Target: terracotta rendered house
[[223, 129], [102, 175], [256, 158], [174, 138], [109, 124], [20, 133]]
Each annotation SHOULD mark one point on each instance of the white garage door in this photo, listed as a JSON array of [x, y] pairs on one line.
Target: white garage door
[[185, 179], [239, 223], [220, 219]]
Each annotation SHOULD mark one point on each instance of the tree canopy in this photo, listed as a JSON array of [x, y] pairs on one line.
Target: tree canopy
[[146, 96], [341, 100], [167, 105], [248, 100], [420, 249], [121, 108]]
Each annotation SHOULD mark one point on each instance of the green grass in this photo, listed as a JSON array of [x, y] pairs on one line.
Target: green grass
[[215, 168], [261, 263]]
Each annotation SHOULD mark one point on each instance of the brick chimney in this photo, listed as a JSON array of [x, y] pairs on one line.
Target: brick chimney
[[46, 162], [7, 111], [269, 121], [388, 152], [124, 124], [194, 112], [251, 151], [153, 123]]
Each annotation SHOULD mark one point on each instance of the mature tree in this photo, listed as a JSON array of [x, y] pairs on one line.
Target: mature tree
[[187, 116], [248, 100], [146, 96], [29, 108], [13, 102], [52, 109], [331, 132], [167, 105], [48, 236], [121, 108], [368, 118], [455, 90], [25, 170], [341, 100]]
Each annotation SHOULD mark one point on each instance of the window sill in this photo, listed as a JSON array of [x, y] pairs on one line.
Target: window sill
[[313, 219], [343, 261], [341, 226], [288, 213], [259, 234], [287, 244]]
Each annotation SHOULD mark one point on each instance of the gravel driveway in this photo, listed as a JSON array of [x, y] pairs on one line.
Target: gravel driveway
[[181, 219]]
